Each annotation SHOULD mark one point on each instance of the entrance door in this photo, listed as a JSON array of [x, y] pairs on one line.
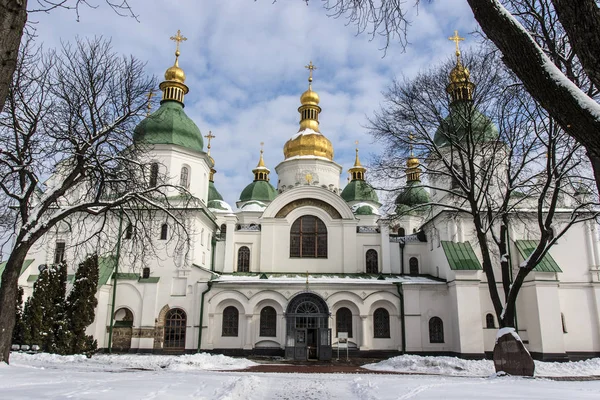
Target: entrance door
[[300, 349], [312, 344], [324, 339]]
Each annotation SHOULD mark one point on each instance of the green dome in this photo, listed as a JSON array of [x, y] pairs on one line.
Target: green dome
[[456, 128], [365, 209], [358, 190], [258, 190], [413, 194], [169, 125], [213, 193]]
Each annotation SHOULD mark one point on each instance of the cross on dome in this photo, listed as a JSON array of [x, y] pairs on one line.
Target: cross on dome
[[311, 67], [456, 39], [209, 137], [178, 39]]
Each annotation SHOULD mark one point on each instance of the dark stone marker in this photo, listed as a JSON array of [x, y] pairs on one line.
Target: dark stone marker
[[510, 356]]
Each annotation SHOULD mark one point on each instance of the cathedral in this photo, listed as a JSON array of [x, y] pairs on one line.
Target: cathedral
[[304, 266]]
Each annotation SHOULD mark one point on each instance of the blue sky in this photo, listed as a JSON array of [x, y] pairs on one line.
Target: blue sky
[[245, 59]]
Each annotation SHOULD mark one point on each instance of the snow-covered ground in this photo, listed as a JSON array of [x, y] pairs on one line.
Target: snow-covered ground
[[171, 377], [480, 368]]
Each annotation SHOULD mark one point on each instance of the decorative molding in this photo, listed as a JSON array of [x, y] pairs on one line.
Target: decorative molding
[[328, 208], [368, 229], [248, 227]]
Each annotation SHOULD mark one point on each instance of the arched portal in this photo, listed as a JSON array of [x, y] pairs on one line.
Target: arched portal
[[308, 333]]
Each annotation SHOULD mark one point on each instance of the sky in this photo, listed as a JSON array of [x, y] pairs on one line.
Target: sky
[[244, 62]]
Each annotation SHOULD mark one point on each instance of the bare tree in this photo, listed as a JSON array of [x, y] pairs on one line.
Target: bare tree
[[494, 156], [68, 161], [13, 18], [525, 31]]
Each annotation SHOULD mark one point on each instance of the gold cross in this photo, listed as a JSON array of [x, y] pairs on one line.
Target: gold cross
[[209, 136], [150, 95], [310, 68], [456, 39], [411, 138], [178, 39]]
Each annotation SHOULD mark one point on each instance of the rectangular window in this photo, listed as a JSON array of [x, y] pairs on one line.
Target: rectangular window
[[59, 252]]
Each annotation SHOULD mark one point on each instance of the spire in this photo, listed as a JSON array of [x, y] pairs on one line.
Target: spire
[[150, 96], [357, 172], [460, 87], [173, 86], [261, 172], [309, 110], [413, 172], [213, 171]]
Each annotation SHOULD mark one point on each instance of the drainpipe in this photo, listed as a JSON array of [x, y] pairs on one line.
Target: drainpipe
[[401, 257], [115, 273], [213, 243], [403, 328], [208, 287]]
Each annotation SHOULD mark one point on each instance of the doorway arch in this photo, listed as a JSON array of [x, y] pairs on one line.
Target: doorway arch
[[308, 333]]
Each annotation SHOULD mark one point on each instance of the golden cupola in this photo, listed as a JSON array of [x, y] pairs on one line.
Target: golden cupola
[[261, 172], [413, 172], [309, 141], [357, 172], [460, 87], [174, 87]]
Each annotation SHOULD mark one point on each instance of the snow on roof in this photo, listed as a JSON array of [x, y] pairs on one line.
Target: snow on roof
[[223, 207], [307, 131], [364, 279], [254, 206], [307, 157]]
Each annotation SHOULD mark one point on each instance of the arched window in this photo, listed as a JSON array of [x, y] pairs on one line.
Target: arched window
[[146, 273], [489, 321], [308, 238], [436, 330], [123, 317], [401, 232], [230, 321], [163, 231], [223, 234], [243, 259], [268, 321], [413, 264], [343, 321], [372, 261], [129, 231], [175, 322], [153, 175], [184, 177], [381, 323]]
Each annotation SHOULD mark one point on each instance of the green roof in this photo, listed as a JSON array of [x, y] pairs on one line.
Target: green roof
[[128, 276], [106, 265], [461, 256], [213, 193], [413, 194], [547, 263], [258, 190], [152, 279], [169, 125], [24, 267], [359, 190], [365, 210], [463, 120]]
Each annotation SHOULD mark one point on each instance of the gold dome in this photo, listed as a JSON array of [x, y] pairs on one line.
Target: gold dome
[[173, 86], [309, 97], [460, 74], [308, 145], [412, 162], [175, 73]]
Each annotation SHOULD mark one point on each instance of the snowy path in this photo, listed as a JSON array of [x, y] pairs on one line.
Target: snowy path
[[64, 382]]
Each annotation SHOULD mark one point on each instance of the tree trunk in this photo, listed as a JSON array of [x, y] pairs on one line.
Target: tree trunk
[[574, 111], [13, 15], [581, 21], [8, 296]]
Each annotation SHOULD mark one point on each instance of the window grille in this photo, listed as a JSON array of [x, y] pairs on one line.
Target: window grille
[[230, 321], [59, 252], [163, 231], [243, 259], [308, 238], [436, 330], [154, 175], [372, 261], [413, 264], [175, 322], [489, 321], [268, 322], [381, 323], [184, 178], [343, 321]]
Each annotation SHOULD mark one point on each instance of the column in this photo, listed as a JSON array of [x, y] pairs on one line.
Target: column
[[248, 333], [367, 336]]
